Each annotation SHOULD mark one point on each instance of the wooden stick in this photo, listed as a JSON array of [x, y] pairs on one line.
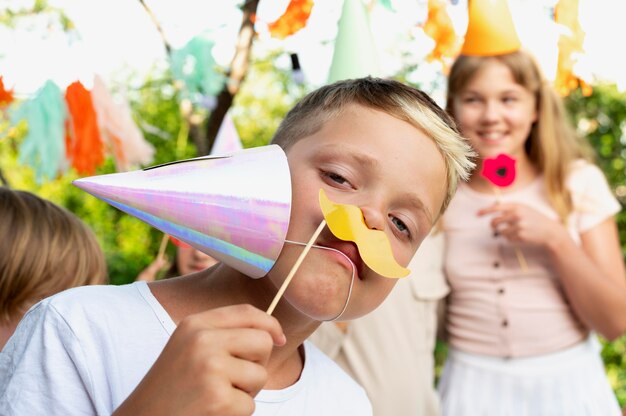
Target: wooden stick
[[163, 246], [523, 264], [295, 267], [521, 259]]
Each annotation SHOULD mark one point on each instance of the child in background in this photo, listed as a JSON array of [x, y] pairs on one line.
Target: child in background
[[44, 249], [187, 260], [522, 341], [203, 344]]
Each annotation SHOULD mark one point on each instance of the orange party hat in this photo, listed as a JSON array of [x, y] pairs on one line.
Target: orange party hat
[[490, 29]]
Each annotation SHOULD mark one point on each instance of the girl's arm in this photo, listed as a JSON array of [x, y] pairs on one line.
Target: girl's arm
[[593, 277]]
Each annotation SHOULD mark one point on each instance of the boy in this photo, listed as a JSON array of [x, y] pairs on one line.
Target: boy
[[202, 344]]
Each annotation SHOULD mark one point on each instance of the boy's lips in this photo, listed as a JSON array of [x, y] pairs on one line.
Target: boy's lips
[[349, 249]]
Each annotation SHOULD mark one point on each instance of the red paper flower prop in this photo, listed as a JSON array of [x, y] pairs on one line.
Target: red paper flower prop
[[500, 170]]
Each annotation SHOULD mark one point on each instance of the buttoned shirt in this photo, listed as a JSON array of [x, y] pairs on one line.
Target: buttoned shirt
[[496, 307]]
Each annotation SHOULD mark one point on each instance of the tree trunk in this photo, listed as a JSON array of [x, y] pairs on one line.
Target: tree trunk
[[235, 77]]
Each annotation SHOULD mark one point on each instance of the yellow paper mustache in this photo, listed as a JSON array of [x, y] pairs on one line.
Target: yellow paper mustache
[[346, 223]]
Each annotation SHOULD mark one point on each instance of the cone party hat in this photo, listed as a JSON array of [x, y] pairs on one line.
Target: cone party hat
[[354, 55], [234, 208], [490, 29]]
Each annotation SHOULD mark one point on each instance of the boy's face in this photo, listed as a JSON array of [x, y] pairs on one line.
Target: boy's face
[[389, 169]]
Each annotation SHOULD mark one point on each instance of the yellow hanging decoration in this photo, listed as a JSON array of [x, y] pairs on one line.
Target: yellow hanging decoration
[[566, 14], [438, 26]]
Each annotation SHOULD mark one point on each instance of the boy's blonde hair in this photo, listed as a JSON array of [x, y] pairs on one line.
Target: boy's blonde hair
[[392, 97], [553, 144], [44, 249]]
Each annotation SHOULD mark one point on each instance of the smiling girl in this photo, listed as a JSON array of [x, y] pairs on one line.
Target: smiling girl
[[522, 341]]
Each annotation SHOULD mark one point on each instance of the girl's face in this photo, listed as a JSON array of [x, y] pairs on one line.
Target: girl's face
[[495, 113], [389, 169], [189, 260]]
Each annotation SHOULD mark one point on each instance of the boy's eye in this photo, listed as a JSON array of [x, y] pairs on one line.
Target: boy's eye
[[400, 225], [337, 178], [509, 99]]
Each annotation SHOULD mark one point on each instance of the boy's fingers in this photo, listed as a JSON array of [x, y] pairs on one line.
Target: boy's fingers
[[247, 376], [240, 404], [237, 316], [249, 344]]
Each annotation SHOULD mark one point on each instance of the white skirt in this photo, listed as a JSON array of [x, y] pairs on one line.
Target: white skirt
[[570, 382]]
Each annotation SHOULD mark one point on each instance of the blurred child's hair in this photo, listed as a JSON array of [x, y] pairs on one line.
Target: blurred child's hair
[[553, 144], [44, 249], [392, 97]]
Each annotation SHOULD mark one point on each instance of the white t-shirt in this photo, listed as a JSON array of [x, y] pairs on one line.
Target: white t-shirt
[[83, 351]]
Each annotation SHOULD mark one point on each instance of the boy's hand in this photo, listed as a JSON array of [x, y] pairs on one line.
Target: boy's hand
[[214, 364]]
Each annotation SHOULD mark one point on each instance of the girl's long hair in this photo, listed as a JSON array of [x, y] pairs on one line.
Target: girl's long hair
[[553, 144]]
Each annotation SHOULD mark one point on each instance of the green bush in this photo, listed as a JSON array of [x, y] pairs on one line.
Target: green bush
[[601, 118]]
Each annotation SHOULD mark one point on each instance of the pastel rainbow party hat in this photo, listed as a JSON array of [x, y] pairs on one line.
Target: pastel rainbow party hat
[[490, 29], [234, 208]]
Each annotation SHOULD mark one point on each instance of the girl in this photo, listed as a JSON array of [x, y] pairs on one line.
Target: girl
[[522, 338]]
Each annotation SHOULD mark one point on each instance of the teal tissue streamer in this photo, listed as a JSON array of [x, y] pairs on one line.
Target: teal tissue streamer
[[43, 147], [195, 66]]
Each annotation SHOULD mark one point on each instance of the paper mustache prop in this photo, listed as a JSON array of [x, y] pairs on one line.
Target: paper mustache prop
[[234, 208], [346, 222]]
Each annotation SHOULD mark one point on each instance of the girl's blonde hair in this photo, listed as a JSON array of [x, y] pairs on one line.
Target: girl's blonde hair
[[553, 144], [44, 249], [392, 97]]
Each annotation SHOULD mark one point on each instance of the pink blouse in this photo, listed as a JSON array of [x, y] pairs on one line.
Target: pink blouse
[[497, 309]]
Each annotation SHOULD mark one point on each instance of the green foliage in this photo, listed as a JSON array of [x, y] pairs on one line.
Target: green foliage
[[601, 118], [10, 16], [264, 99]]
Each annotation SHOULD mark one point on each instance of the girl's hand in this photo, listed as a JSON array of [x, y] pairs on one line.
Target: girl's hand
[[214, 364], [520, 223]]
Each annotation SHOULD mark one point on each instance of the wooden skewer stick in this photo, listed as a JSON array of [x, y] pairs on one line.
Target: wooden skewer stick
[[523, 264], [163, 246], [295, 267]]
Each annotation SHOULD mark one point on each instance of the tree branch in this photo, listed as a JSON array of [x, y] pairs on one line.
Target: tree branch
[[236, 75], [168, 47]]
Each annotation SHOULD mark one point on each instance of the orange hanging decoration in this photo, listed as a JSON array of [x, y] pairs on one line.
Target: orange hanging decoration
[[85, 148], [566, 14], [295, 18], [6, 96], [439, 27]]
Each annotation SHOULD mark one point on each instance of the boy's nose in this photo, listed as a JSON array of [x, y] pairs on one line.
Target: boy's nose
[[374, 218]]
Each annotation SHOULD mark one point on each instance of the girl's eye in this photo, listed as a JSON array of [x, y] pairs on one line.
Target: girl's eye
[[400, 225], [469, 100], [509, 99]]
